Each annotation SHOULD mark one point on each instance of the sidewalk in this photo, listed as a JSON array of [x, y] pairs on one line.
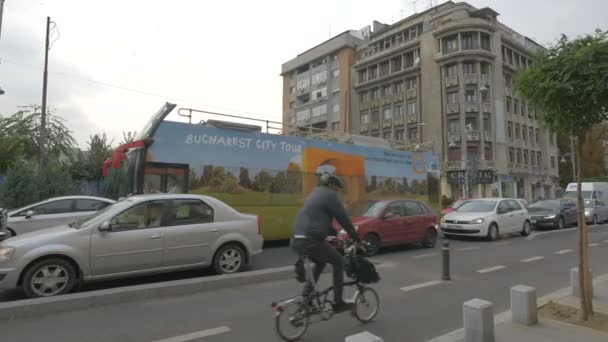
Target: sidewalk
[[547, 329]]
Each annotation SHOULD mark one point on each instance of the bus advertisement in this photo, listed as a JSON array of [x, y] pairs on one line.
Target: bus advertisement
[[269, 174]]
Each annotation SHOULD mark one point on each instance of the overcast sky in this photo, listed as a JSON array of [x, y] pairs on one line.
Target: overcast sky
[[117, 61]]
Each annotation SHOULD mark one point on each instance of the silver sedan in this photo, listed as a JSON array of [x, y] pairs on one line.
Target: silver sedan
[[137, 235]]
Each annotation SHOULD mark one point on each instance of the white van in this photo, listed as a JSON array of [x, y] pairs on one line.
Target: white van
[[595, 195]]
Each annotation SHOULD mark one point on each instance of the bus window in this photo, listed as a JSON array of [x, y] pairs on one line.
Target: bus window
[[152, 183], [165, 178]]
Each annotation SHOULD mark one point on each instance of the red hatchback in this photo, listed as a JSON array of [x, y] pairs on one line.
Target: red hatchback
[[395, 222]]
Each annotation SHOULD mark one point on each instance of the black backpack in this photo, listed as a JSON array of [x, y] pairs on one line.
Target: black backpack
[[362, 270]]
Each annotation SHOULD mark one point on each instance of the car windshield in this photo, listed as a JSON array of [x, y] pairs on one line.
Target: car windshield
[[85, 221], [549, 204], [589, 204], [457, 204], [374, 210], [477, 207], [572, 194]]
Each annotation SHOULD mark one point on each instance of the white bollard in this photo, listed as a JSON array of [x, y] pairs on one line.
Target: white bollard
[[478, 316], [364, 337], [523, 305], [574, 282]]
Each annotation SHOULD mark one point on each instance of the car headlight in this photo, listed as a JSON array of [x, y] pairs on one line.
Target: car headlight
[[443, 220], [477, 221], [587, 212], [552, 216], [6, 253]]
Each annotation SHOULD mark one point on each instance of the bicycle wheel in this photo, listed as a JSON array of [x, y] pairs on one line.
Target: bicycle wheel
[[292, 321], [366, 305]]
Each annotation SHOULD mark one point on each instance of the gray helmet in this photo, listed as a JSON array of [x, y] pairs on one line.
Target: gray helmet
[[329, 179]]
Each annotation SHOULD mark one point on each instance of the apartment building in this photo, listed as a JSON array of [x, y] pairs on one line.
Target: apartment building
[[445, 77]]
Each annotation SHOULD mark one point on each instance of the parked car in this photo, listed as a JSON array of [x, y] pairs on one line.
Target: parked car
[[596, 211], [138, 235], [487, 218], [53, 212], [552, 213], [454, 206], [395, 222]]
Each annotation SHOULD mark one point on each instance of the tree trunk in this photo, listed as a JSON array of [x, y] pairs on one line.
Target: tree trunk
[[583, 262]]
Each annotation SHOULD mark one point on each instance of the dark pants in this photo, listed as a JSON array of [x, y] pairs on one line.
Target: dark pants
[[321, 253]]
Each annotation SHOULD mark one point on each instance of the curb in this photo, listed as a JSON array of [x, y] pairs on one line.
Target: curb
[[458, 334], [85, 300]]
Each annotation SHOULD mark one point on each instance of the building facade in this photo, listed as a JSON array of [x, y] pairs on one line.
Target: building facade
[[445, 77]]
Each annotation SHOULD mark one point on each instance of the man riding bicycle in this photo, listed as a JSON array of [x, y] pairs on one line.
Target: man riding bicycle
[[314, 224]]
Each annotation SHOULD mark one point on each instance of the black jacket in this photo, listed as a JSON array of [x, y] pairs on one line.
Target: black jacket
[[315, 218]]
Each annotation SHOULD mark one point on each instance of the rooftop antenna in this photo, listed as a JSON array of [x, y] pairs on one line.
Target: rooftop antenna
[[414, 6]]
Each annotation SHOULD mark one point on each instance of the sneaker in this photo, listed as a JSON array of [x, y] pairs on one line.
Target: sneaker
[[342, 306]]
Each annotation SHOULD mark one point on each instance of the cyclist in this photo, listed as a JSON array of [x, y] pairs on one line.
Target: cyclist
[[314, 224]]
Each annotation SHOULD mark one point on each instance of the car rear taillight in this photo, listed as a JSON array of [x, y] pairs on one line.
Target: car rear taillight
[[259, 225]]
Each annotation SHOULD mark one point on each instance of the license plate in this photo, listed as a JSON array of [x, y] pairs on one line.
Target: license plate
[[454, 226], [533, 221]]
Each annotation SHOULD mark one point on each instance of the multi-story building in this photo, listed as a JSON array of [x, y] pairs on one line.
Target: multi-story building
[[317, 84], [445, 77]]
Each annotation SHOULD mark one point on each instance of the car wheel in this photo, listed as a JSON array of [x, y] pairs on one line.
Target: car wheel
[[525, 231], [493, 232], [430, 238], [561, 223], [11, 232], [229, 259], [594, 222], [49, 277], [373, 244]]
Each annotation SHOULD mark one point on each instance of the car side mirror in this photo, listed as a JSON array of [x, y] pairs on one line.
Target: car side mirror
[[388, 216], [105, 226], [29, 214], [502, 211]]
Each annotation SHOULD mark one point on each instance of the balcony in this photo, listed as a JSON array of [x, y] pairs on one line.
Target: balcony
[[511, 166], [398, 120], [364, 127], [454, 136], [488, 164], [509, 91], [398, 97], [454, 165], [319, 118], [411, 93], [451, 81], [364, 105], [453, 108], [412, 118], [375, 103], [386, 99], [471, 107], [374, 125], [470, 78], [487, 107], [485, 78], [488, 136], [387, 123], [472, 136]]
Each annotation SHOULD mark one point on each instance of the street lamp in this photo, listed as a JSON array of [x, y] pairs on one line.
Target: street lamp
[[422, 124]]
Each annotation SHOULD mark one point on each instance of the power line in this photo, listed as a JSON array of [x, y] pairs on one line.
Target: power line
[[142, 92]]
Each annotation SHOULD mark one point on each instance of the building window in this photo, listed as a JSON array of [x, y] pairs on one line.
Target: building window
[[485, 42], [531, 136], [485, 68], [510, 130], [413, 33], [385, 90], [523, 108], [469, 68], [335, 126], [485, 96], [511, 155], [303, 115], [387, 135], [319, 110], [518, 156], [362, 76], [320, 94], [384, 68], [515, 106], [486, 125], [524, 133], [450, 43], [292, 89], [470, 95], [398, 111], [375, 116], [450, 70], [387, 115], [488, 153], [336, 107], [552, 139], [410, 59], [467, 41], [510, 56], [508, 81], [517, 130], [509, 104], [526, 157], [471, 124], [412, 133], [453, 97], [373, 72], [335, 73], [399, 87], [320, 77], [540, 158], [375, 94], [537, 136], [364, 97], [411, 83], [454, 154], [303, 84], [397, 64], [552, 162], [399, 135], [412, 108], [365, 118], [454, 126]]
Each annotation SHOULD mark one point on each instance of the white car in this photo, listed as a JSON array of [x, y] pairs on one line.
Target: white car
[[53, 212], [487, 217]]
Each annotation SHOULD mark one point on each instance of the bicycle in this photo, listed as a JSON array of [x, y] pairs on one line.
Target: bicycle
[[318, 303]]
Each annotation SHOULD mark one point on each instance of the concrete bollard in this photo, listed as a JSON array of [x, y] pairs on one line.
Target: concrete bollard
[[364, 337], [523, 305], [574, 282], [478, 316]]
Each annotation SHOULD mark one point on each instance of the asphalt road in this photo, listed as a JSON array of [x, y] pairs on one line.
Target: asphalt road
[[410, 311]]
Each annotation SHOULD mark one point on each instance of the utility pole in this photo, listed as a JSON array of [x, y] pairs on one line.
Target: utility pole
[[42, 141], [1, 13], [573, 160]]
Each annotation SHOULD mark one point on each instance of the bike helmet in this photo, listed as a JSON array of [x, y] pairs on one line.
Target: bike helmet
[[329, 179]]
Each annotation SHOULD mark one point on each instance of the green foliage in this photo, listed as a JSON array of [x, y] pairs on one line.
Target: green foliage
[[115, 184], [262, 181], [89, 166], [569, 83]]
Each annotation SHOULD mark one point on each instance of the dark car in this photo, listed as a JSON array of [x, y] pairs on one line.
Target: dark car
[[395, 222], [552, 213]]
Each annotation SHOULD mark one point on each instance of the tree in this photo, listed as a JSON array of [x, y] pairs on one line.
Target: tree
[[262, 181], [207, 175], [88, 166], [568, 85], [244, 179], [11, 148], [127, 137]]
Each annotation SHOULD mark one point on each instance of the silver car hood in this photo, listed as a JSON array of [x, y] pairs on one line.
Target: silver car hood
[[460, 216], [43, 234]]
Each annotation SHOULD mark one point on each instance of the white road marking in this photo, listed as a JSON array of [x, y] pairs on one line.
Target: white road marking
[[427, 255], [564, 251], [197, 335], [594, 244], [422, 285], [491, 269], [533, 259], [468, 249], [533, 235]]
